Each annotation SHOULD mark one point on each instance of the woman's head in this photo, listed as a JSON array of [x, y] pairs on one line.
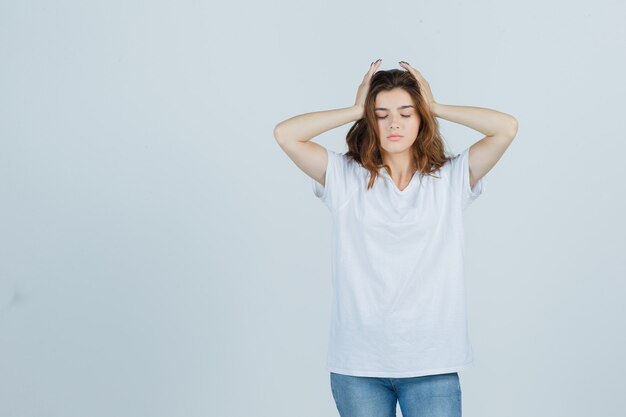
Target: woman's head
[[395, 105], [396, 114]]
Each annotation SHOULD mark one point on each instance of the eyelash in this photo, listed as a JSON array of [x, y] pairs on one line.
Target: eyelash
[[386, 116]]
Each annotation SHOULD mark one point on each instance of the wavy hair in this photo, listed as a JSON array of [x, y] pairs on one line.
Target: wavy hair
[[363, 138]]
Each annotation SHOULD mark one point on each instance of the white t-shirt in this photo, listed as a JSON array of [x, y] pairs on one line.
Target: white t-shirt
[[398, 304]]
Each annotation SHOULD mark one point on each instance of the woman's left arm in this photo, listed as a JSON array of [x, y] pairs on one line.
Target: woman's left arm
[[499, 129]]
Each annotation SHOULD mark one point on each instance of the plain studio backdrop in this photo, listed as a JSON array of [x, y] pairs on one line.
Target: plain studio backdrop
[[161, 256]]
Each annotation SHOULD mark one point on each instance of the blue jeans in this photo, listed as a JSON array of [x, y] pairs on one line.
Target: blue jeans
[[421, 396]]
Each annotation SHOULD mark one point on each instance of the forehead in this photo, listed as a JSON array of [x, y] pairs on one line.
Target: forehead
[[393, 99]]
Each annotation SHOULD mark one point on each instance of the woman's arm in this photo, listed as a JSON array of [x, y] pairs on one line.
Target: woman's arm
[[486, 121], [305, 127], [294, 135], [499, 130], [294, 138]]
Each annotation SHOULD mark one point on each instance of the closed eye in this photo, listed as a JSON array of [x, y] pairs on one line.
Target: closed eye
[[386, 116]]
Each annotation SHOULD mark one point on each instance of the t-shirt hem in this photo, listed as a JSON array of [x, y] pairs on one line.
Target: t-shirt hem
[[407, 374]]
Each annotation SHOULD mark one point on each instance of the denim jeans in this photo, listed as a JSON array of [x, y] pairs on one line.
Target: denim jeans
[[421, 396]]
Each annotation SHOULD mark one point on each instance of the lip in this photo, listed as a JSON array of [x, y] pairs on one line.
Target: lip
[[394, 137]]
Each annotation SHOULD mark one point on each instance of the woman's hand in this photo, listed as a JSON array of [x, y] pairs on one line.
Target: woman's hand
[[365, 86], [423, 84]]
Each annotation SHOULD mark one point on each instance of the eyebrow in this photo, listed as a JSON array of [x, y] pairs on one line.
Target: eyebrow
[[399, 108]]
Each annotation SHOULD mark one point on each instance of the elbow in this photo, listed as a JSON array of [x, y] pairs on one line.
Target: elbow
[[277, 133], [512, 130]]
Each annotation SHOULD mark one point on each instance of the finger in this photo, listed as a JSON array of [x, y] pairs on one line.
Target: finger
[[373, 67], [409, 67]]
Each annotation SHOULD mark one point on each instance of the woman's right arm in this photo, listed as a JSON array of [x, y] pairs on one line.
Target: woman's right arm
[[305, 127], [294, 137]]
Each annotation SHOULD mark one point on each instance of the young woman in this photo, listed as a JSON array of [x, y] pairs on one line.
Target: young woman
[[398, 329]]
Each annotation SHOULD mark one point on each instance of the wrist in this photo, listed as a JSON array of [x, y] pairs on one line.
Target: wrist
[[358, 111], [435, 108]]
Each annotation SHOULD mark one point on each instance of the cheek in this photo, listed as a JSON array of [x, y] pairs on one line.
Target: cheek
[[381, 129]]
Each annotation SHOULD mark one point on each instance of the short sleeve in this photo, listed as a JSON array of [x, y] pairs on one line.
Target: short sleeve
[[337, 182], [460, 179]]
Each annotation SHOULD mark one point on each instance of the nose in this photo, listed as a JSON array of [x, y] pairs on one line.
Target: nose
[[394, 122]]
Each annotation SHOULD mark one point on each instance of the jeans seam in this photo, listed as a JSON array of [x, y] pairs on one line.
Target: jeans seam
[[393, 386]]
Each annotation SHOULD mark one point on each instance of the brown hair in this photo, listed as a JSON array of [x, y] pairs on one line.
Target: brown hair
[[363, 137]]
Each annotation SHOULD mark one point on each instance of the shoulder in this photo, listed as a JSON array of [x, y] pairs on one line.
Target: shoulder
[[345, 162], [444, 171]]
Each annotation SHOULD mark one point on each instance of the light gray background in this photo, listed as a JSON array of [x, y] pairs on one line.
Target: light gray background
[[161, 256]]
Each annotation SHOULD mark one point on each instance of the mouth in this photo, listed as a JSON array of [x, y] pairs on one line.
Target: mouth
[[394, 137]]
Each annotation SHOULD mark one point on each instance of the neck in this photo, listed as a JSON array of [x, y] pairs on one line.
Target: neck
[[401, 165]]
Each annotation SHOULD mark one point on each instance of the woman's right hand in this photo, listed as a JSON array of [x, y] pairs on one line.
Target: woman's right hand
[[365, 86]]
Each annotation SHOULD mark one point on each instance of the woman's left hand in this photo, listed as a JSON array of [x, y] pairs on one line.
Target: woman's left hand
[[423, 84]]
